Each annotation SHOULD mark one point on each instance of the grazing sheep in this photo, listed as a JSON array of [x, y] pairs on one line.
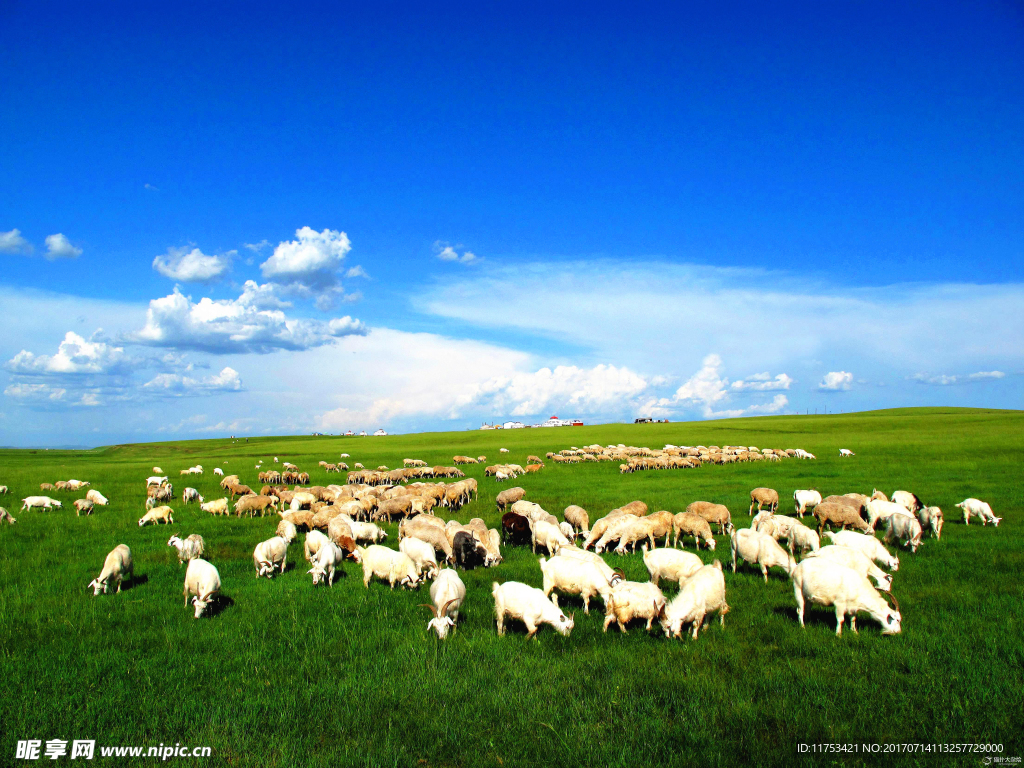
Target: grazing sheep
[[802, 538], [879, 510], [574, 577], [203, 581], [422, 555], [905, 529], [367, 532], [823, 582], [764, 497], [690, 524], [701, 596], [254, 504], [805, 500], [270, 556], [844, 452], [218, 471], [157, 471], [388, 565], [83, 505], [216, 507], [979, 509], [714, 514], [5, 515], [447, 594], [96, 497], [578, 518], [856, 560], [529, 605], [188, 549], [671, 564], [314, 540], [156, 481], [633, 600], [117, 566], [39, 502], [287, 531], [191, 494], [549, 536], [842, 515], [866, 544], [508, 497], [760, 549], [931, 520], [325, 566], [908, 500], [156, 516]]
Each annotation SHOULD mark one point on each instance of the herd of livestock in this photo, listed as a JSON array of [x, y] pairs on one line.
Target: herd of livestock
[[841, 559]]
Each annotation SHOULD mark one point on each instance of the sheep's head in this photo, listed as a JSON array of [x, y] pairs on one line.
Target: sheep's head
[[98, 587], [442, 625], [200, 605], [142, 521], [317, 574], [564, 624]]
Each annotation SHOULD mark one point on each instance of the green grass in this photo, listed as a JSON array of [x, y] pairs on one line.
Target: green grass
[[291, 675]]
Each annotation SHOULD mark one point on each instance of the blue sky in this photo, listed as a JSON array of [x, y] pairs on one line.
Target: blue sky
[[685, 212]]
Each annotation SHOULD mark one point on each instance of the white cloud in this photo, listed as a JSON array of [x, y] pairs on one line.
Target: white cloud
[[835, 381], [762, 382], [193, 266], [59, 247], [601, 388], [13, 242], [177, 385], [356, 271], [945, 380], [75, 355], [234, 326], [257, 247], [446, 252], [264, 296], [34, 392], [309, 264], [986, 375], [150, 187]]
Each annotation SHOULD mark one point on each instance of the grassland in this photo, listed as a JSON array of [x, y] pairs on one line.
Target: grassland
[[289, 675]]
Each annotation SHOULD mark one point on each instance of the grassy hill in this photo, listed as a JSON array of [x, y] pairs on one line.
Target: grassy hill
[[291, 675]]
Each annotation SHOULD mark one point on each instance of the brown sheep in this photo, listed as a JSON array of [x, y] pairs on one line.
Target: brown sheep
[[508, 497], [578, 518], [843, 515], [764, 497], [690, 524], [714, 514]]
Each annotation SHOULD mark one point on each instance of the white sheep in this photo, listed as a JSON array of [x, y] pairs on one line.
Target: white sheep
[[701, 596], [96, 497], [804, 500], [547, 535], [905, 529], [4, 490], [672, 564], [188, 549], [5, 515], [286, 530], [760, 549], [931, 520], [422, 554], [156, 516], [367, 532], [529, 605], [823, 582], [40, 502], [843, 452], [117, 566], [633, 600], [447, 594], [879, 510], [270, 556], [388, 565], [868, 545], [314, 540], [157, 471], [203, 582], [803, 538], [191, 494], [156, 480], [216, 506], [328, 559], [858, 561], [218, 471], [980, 509], [574, 577]]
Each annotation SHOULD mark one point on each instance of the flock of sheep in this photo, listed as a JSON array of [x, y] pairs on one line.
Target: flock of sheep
[[338, 520]]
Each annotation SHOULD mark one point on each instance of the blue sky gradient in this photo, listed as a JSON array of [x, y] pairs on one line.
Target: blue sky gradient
[[852, 164]]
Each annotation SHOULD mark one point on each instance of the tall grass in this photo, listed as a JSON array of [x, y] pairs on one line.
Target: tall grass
[[290, 675]]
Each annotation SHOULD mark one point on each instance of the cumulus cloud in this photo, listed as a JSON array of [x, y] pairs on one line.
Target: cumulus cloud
[[356, 271], [59, 247], [707, 386], [177, 385], [986, 375], [762, 382], [836, 381], [193, 266], [446, 252], [601, 388], [309, 264], [75, 355], [257, 247], [234, 326], [13, 242]]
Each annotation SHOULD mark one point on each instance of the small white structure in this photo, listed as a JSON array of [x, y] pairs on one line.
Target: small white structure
[[513, 425], [379, 433]]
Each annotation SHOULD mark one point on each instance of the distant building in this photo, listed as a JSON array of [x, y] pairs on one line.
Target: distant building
[[554, 421], [362, 433], [513, 425], [485, 425], [379, 433], [349, 433]]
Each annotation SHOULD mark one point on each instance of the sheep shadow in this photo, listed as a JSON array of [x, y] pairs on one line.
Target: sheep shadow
[[814, 616], [218, 604], [137, 580]]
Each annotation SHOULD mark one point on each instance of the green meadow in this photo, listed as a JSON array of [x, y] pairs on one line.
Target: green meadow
[[286, 674]]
